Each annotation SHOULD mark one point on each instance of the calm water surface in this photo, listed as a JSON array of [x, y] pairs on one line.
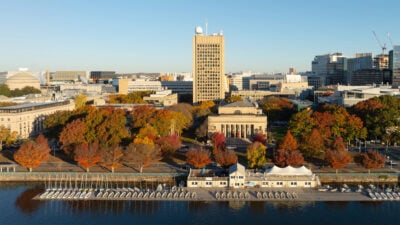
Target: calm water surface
[[16, 207]]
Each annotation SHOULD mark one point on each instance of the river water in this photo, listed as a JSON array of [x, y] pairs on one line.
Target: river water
[[17, 207]]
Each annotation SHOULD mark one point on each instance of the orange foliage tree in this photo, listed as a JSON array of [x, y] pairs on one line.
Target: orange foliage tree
[[338, 156], [87, 155], [72, 135], [288, 153], [198, 157], [256, 155], [31, 154], [226, 158], [372, 160], [141, 115], [142, 154], [313, 144], [111, 157], [169, 144]]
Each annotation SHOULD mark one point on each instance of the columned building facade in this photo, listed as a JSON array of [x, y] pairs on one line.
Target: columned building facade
[[238, 120], [208, 67]]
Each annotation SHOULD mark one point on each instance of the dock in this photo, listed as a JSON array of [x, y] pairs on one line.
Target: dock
[[203, 194]]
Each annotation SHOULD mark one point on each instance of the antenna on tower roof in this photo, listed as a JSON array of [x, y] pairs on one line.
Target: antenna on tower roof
[[206, 28]]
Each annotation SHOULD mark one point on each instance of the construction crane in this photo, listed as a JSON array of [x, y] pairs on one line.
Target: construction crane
[[383, 47], [390, 39]]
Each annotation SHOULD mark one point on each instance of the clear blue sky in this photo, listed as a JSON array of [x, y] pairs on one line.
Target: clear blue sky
[[156, 35]]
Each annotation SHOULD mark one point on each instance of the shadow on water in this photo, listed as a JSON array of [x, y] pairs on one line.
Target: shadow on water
[[26, 204]]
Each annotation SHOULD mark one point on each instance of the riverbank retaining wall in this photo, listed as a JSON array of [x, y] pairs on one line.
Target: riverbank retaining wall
[[90, 177], [358, 177]]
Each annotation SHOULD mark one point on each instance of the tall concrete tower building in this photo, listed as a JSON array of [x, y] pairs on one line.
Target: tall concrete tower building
[[208, 66]]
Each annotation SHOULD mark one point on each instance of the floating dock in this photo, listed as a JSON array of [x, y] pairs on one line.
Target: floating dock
[[203, 194]]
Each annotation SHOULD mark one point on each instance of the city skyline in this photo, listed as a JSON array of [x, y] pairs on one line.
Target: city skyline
[[155, 36]]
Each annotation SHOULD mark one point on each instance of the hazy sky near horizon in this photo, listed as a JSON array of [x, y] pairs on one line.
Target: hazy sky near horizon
[[156, 35]]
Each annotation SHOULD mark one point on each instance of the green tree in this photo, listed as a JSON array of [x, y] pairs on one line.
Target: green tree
[[5, 90], [256, 155], [301, 123]]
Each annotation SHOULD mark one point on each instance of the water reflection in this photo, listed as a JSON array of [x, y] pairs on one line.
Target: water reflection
[[112, 207], [337, 205], [26, 204], [291, 206]]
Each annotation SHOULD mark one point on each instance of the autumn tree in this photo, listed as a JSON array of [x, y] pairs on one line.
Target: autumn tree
[[288, 153], [338, 156], [198, 157], [302, 123], [277, 108], [260, 137], [141, 115], [219, 142], [226, 158], [149, 132], [32, 153], [256, 155], [112, 129], [7, 137], [234, 98], [80, 100], [87, 155], [169, 144], [313, 144], [142, 154], [111, 157], [72, 135], [185, 109], [372, 160], [55, 123]]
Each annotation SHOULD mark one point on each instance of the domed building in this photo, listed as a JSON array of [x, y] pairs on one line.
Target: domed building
[[21, 80]]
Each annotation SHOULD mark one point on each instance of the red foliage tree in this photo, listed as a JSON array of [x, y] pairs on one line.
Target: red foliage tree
[[260, 137], [87, 155], [198, 157], [226, 158], [169, 144], [338, 157], [218, 140], [32, 154], [372, 160]]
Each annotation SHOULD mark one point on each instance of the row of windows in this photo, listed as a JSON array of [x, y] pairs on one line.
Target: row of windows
[[237, 177], [209, 183]]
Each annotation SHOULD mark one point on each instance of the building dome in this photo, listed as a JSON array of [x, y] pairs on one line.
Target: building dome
[[21, 80]]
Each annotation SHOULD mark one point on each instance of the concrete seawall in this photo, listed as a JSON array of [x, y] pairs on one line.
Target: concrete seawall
[[89, 177], [358, 177]]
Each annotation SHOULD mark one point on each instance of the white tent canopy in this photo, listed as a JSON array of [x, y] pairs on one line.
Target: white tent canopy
[[289, 171]]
